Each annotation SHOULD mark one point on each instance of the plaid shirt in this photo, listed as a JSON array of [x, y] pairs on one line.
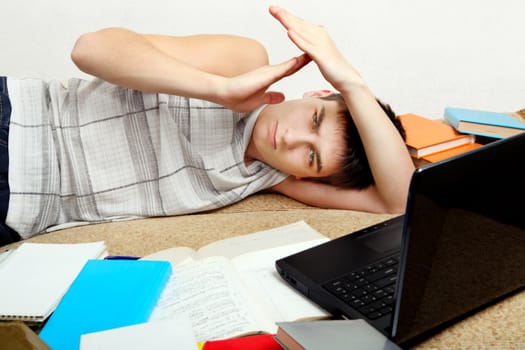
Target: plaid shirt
[[96, 152]]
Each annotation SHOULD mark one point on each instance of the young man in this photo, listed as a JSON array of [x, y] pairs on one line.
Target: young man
[[184, 124]]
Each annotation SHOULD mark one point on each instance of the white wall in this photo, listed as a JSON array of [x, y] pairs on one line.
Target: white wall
[[418, 55]]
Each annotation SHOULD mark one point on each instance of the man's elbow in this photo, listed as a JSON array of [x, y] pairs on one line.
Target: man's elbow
[[396, 208], [398, 202], [91, 48], [394, 204], [82, 51]]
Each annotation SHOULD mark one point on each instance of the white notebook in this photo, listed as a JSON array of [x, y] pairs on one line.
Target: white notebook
[[35, 277]]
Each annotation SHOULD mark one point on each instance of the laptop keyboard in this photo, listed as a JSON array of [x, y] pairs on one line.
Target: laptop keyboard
[[370, 290]]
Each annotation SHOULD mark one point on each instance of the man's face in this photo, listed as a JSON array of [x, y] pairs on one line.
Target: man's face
[[299, 137]]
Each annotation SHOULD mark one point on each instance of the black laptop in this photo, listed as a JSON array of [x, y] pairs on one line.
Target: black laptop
[[459, 246]]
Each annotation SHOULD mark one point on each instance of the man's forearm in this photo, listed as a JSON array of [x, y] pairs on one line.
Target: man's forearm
[[386, 152], [128, 59]]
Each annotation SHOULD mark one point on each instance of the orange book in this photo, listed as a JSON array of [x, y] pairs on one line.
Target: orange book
[[425, 136], [436, 157]]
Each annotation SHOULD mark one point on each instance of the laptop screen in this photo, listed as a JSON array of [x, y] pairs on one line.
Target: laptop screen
[[465, 248]]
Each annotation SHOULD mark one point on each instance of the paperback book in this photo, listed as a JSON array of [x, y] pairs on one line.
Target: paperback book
[[485, 123]]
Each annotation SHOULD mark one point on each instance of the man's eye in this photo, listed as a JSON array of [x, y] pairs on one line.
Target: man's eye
[[315, 120], [311, 157]]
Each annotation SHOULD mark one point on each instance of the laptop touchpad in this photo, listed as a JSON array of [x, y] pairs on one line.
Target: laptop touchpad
[[389, 239]]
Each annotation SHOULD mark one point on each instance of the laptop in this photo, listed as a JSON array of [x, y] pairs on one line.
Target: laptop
[[458, 247]]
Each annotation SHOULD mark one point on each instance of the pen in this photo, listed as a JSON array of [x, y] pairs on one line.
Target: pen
[[121, 257]]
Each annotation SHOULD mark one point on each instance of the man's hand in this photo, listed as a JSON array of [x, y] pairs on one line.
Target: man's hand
[[248, 91], [315, 41], [386, 151]]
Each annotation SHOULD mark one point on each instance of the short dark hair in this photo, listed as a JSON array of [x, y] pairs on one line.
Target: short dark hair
[[355, 171]]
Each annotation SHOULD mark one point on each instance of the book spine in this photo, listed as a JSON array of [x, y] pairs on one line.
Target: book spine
[[452, 118]]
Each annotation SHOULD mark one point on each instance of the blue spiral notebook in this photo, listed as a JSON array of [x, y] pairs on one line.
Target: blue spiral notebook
[[106, 294]]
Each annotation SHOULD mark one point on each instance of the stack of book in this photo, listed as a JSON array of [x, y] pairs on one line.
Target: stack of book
[[462, 130], [66, 290], [430, 141]]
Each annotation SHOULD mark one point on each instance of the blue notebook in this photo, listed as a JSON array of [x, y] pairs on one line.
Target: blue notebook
[[106, 294], [484, 123]]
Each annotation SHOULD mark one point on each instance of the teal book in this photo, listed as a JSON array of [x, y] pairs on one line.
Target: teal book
[[485, 123], [106, 294]]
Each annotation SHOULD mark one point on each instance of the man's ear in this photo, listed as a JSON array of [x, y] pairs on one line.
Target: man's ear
[[318, 93]]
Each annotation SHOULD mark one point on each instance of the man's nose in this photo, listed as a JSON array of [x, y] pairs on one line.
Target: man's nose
[[293, 138]]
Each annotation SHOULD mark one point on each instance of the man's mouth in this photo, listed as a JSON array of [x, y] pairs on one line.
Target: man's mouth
[[273, 135]]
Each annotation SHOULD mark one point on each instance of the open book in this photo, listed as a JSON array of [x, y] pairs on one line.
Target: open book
[[231, 288]]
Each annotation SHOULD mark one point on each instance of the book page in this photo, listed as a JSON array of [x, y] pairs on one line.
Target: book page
[[279, 236], [257, 270], [209, 292]]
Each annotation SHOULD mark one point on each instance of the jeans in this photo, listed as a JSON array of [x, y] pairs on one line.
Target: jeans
[[7, 235]]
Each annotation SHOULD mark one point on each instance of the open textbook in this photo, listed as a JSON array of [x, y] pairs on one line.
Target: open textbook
[[230, 287]]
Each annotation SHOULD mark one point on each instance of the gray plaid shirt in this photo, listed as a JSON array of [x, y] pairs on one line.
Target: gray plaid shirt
[[95, 152]]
